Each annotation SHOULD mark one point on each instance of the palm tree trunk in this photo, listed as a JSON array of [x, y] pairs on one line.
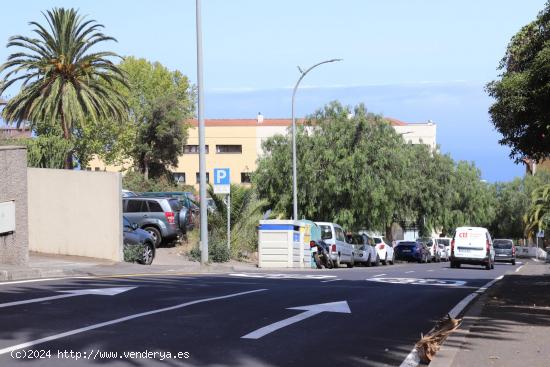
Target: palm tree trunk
[[67, 136]]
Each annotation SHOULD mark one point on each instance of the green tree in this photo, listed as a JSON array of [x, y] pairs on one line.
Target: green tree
[[521, 112], [47, 151], [351, 169], [160, 102], [538, 216], [63, 83]]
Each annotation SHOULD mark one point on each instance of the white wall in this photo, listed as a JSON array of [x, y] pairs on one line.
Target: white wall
[[75, 213]]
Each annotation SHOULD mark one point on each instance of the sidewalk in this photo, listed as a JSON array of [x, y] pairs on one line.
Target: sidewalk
[[58, 266], [508, 326]]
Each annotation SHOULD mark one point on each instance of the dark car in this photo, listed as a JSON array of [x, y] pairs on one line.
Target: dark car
[[134, 236], [505, 251], [188, 207], [158, 216], [412, 251]]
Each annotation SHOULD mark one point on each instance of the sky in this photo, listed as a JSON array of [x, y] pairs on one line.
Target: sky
[[414, 60]]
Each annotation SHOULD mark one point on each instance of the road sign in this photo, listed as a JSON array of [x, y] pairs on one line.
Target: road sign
[[221, 181], [311, 310], [540, 234]]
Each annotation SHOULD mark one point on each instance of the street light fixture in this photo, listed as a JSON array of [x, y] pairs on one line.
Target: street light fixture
[[294, 181]]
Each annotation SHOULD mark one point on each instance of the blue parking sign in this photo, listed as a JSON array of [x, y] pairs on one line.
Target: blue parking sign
[[221, 176]]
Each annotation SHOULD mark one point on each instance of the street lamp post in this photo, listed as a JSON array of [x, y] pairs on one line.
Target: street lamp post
[[202, 155], [294, 180]]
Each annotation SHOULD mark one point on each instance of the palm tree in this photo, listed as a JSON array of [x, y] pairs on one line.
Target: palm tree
[[538, 216], [62, 82]]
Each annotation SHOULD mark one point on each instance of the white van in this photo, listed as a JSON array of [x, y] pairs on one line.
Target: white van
[[472, 245], [341, 252]]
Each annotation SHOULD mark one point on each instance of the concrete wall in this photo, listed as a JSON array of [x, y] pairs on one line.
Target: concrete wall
[[14, 246], [75, 213]]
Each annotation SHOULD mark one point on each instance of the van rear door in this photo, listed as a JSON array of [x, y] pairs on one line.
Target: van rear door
[[470, 243]]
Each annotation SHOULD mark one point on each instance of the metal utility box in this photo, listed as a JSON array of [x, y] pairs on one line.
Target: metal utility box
[[7, 217], [280, 244]]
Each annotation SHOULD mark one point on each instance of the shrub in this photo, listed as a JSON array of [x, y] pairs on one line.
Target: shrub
[[133, 253]]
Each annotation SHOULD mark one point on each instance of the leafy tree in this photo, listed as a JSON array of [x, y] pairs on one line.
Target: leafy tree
[[64, 83], [48, 151], [358, 172], [521, 112], [160, 102], [135, 181], [511, 204]]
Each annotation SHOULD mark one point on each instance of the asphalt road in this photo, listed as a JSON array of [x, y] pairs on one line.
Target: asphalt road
[[201, 320]]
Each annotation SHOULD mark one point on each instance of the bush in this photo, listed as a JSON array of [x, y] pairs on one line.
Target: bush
[[217, 252], [135, 181], [133, 253]]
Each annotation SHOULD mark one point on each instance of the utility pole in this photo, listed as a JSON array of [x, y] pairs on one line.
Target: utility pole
[[202, 152]]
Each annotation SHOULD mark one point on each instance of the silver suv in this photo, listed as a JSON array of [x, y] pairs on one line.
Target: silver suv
[[158, 216]]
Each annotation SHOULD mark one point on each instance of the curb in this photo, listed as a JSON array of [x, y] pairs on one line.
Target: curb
[[446, 359]]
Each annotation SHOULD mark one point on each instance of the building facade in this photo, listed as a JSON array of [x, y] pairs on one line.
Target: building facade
[[237, 144]]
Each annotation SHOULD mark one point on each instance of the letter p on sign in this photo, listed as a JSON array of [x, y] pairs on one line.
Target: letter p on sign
[[221, 180]]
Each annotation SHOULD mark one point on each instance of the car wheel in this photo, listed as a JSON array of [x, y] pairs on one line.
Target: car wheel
[[155, 233], [377, 261], [488, 265], [148, 253], [337, 263], [385, 261], [514, 262], [351, 263]]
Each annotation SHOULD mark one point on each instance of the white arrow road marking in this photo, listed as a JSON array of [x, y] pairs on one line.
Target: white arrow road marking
[[311, 310], [72, 293], [119, 320]]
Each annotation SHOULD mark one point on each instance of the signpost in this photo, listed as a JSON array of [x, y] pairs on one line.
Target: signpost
[[540, 234], [222, 185]]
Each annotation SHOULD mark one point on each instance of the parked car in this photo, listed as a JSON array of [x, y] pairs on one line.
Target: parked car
[[187, 206], [411, 251], [341, 252], [446, 242], [384, 250], [505, 250], [472, 245], [364, 251], [158, 216], [134, 236], [128, 194], [432, 246]]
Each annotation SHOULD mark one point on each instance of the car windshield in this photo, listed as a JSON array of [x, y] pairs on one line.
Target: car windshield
[[444, 242], [406, 243], [326, 232], [502, 244], [377, 240]]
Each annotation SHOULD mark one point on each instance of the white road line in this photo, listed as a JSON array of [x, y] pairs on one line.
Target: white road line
[[518, 269], [119, 320], [412, 359], [411, 271], [29, 281], [332, 280], [379, 275], [431, 270]]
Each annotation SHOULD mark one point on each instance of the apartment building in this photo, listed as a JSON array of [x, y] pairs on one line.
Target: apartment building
[[237, 143]]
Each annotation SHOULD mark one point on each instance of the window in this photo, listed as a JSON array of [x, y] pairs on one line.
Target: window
[[135, 206], [245, 177], [155, 207], [326, 232], [340, 234], [179, 177], [96, 169], [207, 177], [229, 149], [193, 149]]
